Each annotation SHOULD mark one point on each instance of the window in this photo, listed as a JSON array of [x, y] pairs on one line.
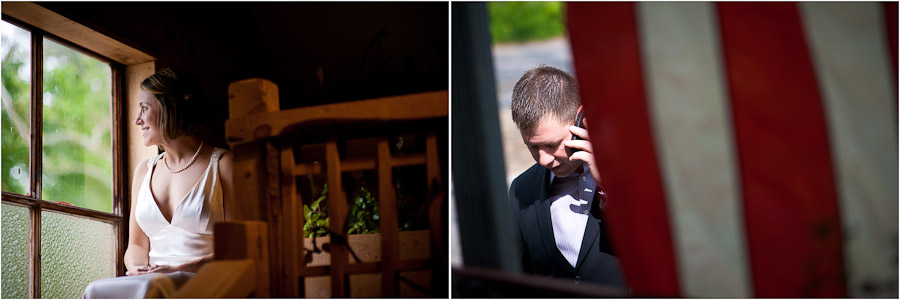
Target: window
[[62, 210]]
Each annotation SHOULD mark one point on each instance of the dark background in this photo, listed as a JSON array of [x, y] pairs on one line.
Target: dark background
[[365, 50]]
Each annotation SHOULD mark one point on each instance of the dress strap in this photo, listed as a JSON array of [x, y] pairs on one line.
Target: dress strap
[[151, 162], [217, 153]]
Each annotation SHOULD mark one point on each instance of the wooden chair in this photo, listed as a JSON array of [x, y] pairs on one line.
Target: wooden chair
[[272, 148]]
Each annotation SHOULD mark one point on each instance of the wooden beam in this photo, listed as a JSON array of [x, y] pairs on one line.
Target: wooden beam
[[408, 160], [62, 208], [304, 169], [13, 198], [398, 108], [65, 28], [84, 212], [350, 165], [360, 164]]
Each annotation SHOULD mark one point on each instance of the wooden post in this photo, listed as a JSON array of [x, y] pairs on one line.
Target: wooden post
[[290, 202], [249, 96], [236, 240], [275, 220], [246, 97], [337, 209], [250, 184], [433, 170], [436, 218], [240, 268], [256, 171], [389, 229]]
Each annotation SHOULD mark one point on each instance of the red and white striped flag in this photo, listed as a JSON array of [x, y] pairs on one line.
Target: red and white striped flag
[[748, 149]]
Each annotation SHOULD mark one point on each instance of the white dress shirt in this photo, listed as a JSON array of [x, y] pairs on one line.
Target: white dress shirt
[[570, 198]]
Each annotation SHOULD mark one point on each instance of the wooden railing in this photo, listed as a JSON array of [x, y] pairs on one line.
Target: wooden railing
[[266, 165]]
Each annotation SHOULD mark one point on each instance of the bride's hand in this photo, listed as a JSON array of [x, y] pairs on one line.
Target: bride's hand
[[138, 271], [162, 269]]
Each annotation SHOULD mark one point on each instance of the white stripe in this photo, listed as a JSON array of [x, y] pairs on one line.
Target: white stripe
[[692, 129], [847, 43]]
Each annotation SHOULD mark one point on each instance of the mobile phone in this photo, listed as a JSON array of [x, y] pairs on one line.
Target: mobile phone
[[578, 123]]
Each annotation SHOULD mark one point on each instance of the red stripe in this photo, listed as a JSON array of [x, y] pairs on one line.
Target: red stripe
[[607, 61], [789, 199]]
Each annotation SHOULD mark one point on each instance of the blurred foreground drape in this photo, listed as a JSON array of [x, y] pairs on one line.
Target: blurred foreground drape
[[748, 149]]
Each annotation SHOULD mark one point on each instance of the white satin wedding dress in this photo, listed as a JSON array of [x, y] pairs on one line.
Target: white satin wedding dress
[[186, 238]]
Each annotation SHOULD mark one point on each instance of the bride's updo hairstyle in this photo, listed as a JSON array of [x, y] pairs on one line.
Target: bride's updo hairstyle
[[176, 92]]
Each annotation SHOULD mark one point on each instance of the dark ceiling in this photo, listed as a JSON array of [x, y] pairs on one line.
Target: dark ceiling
[[365, 50]]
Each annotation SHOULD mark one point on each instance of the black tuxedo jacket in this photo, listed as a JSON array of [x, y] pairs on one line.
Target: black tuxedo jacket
[[528, 199]]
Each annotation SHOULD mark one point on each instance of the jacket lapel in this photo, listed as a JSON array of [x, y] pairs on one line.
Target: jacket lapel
[[591, 232], [542, 208]]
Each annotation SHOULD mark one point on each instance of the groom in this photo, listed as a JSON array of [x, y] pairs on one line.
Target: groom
[[557, 203]]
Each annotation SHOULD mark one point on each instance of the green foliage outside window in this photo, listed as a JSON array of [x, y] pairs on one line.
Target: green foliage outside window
[[77, 125], [16, 100], [525, 21]]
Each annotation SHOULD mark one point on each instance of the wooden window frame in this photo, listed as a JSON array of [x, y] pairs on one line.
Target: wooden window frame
[[34, 198], [128, 66]]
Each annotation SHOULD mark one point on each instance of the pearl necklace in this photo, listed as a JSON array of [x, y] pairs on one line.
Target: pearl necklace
[[166, 161]]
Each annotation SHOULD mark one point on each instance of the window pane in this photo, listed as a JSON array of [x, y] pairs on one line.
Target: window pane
[[16, 107], [74, 252], [14, 240], [77, 153]]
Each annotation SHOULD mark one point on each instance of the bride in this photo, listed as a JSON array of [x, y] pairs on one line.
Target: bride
[[177, 196]]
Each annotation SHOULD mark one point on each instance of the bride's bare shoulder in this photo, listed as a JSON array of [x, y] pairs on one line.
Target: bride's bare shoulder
[[225, 162], [140, 170]]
